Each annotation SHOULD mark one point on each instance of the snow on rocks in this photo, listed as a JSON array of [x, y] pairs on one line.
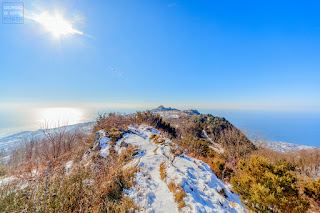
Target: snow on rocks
[[204, 191], [97, 139], [104, 146]]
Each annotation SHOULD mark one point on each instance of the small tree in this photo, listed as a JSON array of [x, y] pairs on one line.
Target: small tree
[[312, 190], [266, 187]]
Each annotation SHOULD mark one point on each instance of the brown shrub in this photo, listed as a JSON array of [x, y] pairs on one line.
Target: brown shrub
[[57, 145], [311, 189], [235, 143], [156, 121], [195, 147], [306, 162], [113, 120], [96, 187], [157, 139]]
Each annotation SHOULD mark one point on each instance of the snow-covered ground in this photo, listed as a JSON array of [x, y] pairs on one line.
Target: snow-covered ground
[[152, 193]]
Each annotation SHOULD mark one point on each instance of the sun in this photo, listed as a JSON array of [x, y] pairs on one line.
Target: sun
[[55, 24]]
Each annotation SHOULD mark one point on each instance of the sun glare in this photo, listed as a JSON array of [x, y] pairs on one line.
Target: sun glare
[[55, 24], [60, 116]]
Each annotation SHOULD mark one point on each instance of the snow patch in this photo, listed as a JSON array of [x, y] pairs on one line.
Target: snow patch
[[205, 192]]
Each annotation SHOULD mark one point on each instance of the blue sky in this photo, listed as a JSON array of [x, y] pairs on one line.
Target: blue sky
[[209, 54]]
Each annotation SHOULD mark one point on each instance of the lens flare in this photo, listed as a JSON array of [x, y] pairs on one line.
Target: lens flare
[[55, 24]]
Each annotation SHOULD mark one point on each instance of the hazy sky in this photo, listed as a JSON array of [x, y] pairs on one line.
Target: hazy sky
[[214, 54]]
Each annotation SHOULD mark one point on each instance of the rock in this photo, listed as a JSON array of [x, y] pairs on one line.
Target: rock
[[97, 138], [98, 135], [124, 144], [96, 146]]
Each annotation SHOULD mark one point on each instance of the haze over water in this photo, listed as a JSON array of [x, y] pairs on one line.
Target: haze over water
[[293, 127]]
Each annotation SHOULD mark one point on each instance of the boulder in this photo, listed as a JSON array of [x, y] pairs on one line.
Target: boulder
[[96, 139], [123, 144]]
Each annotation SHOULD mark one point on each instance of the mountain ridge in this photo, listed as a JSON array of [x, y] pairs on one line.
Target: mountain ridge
[[168, 113]]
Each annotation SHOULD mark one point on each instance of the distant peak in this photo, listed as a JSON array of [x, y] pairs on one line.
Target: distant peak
[[162, 108]]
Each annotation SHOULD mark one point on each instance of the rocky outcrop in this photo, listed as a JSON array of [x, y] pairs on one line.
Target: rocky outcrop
[[100, 134], [162, 108], [169, 113], [192, 112]]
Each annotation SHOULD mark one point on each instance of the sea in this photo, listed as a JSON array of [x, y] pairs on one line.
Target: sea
[[302, 128]]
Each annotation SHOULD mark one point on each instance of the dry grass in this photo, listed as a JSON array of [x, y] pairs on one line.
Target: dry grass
[[92, 188], [157, 139], [92, 185], [195, 147], [163, 173], [128, 154], [232, 204], [178, 194], [58, 146], [176, 151], [114, 120]]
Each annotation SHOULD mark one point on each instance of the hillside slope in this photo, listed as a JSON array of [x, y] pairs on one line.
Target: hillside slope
[[217, 131], [10, 142], [204, 192]]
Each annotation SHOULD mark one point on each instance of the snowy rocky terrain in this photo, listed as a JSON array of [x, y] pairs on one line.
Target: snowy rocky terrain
[[158, 169], [10, 142]]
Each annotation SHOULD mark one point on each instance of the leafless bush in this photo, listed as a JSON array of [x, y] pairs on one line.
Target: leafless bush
[[114, 120], [257, 137], [35, 151], [235, 143], [195, 147], [96, 186], [309, 161], [306, 161]]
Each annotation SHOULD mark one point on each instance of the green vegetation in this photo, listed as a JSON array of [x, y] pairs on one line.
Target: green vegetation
[[281, 186], [221, 169], [312, 190], [266, 187], [156, 121]]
